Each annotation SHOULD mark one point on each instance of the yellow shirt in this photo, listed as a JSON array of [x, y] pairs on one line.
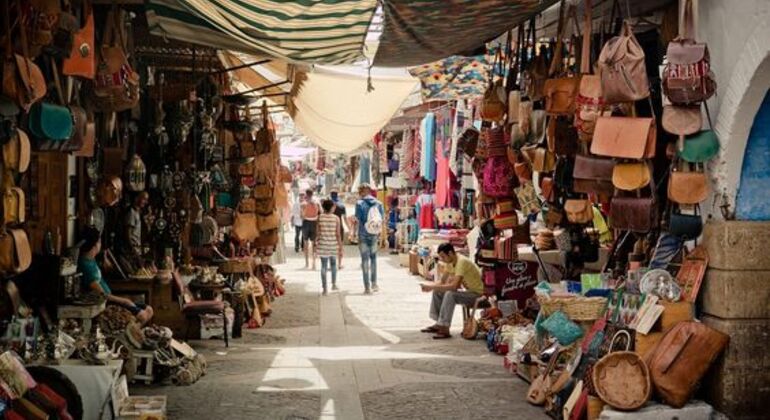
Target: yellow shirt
[[470, 273]]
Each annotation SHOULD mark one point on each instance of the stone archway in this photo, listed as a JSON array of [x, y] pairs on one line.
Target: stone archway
[[740, 101]]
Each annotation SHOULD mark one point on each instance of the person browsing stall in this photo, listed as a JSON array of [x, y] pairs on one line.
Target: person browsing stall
[[328, 243], [310, 210], [460, 284], [92, 278], [341, 212], [296, 221], [370, 215]]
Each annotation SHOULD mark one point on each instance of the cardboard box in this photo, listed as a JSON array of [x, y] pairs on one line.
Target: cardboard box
[[414, 263]]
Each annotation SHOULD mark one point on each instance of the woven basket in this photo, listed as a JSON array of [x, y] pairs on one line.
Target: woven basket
[[577, 308], [622, 380]]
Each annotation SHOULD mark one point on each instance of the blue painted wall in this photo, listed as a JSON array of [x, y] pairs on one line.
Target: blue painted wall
[[753, 202]]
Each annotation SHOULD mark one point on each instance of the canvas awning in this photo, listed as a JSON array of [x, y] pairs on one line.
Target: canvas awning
[[334, 109], [324, 32], [419, 32]]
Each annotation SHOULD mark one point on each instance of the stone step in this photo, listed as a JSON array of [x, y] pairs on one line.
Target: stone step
[[695, 410], [736, 294], [738, 245]]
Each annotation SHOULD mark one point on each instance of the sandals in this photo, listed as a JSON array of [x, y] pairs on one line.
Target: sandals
[[441, 336], [431, 329]]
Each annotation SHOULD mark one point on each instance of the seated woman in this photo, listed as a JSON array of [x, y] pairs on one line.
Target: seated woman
[[92, 276]]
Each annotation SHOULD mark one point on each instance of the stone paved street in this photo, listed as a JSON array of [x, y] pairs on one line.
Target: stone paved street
[[349, 356]]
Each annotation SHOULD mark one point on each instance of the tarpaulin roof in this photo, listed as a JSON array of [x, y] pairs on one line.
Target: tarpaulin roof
[[454, 77], [334, 109], [327, 32], [423, 31]]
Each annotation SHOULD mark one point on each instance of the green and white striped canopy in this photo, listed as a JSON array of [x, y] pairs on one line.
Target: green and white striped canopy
[[308, 31]]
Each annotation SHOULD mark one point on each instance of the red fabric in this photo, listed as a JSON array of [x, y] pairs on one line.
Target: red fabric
[[443, 190], [427, 218]]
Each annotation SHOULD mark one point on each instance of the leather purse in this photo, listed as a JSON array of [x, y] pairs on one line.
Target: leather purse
[[560, 95], [492, 107], [48, 121], [82, 58], [701, 147], [523, 171], [224, 216], [525, 117], [245, 226], [266, 239], [116, 84], [690, 275], [540, 385], [579, 211], [685, 226], [22, 79], [268, 222], [79, 130], [624, 137], [521, 234], [685, 187], [562, 136], [593, 175], [540, 158], [589, 106], [681, 358], [635, 214], [547, 189], [562, 174], [681, 120], [631, 176], [15, 253], [16, 152], [13, 206], [471, 325], [247, 205], [622, 69]]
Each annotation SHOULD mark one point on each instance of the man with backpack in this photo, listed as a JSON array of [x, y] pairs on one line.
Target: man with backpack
[[370, 215]]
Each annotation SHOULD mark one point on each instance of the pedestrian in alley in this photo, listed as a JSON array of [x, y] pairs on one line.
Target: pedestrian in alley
[[328, 243], [341, 212], [310, 210], [461, 273], [370, 215], [296, 221]]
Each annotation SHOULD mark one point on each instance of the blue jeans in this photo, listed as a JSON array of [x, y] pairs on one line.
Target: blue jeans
[[325, 263], [368, 244]]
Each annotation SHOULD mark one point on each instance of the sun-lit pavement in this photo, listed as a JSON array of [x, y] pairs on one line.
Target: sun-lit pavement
[[349, 356]]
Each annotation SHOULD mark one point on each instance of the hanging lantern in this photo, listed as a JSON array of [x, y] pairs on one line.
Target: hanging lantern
[[136, 174]]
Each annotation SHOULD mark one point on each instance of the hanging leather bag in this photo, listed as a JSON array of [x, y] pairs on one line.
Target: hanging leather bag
[[116, 85], [49, 122], [536, 73], [681, 120], [687, 77], [593, 175], [562, 136], [560, 92], [622, 69], [624, 137], [589, 103], [682, 358], [687, 187], [15, 252], [631, 176], [636, 214], [16, 152], [541, 159], [245, 222], [579, 211], [13, 206], [685, 226], [22, 79], [700, 148], [82, 57]]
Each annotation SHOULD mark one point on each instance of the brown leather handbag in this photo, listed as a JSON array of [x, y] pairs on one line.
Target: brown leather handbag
[[622, 69], [116, 85], [22, 79], [17, 152], [681, 358], [15, 252], [547, 188], [589, 106], [492, 107], [631, 176], [562, 136], [13, 206], [624, 137], [540, 158], [687, 187], [593, 175], [560, 95], [635, 214], [82, 59], [579, 211], [681, 120]]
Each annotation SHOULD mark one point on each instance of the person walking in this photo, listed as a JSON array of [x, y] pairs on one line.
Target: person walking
[[310, 211], [296, 221], [328, 243], [370, 215], [341, 213]]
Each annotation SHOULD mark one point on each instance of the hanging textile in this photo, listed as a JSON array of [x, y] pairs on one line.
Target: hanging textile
[[459, 124], [419, 32], [327, 32], [425, 209], [365, 174], [382, 152], [414, 165], [443, 147], [428, 152], [454, 77]]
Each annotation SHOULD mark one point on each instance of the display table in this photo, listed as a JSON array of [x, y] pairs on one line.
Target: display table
[[94, 384], [556, 257], [84, 313]]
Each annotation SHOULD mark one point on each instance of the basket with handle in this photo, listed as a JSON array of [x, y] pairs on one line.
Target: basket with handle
[[622, 379], [577, 308]]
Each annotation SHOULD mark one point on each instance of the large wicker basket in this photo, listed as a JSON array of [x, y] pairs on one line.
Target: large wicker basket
[[622, 380], [577, 308]]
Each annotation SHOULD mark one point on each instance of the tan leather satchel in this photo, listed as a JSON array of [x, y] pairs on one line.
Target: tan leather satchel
[[685, 187], [681, 358], [590, 105], [540, 158], [682, 120], [560, 95], [624, 137], [579, 211], [631, 176], [16, 152], [492, 107], [245, 227], [268, 222], [13, 206], [22, 79], [622, 69], [15, 253]]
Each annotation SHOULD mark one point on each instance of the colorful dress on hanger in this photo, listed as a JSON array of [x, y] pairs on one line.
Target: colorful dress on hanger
[[443, 146], [425, 211], [427, 154]]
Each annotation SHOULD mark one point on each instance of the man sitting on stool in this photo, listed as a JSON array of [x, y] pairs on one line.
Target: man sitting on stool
[[461, 271]]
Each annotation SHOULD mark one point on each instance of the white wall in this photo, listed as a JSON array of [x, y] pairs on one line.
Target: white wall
[[738, 35]]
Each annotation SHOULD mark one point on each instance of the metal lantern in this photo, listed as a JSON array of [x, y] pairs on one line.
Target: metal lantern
[[136, 174]]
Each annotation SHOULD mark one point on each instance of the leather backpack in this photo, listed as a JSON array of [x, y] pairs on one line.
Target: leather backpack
[[492, 107], [15, 252], [625, 137], [622, 69], [593, 175], [682, 358], [687, 77]]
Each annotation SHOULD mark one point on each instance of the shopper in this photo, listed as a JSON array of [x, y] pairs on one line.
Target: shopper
[[341, 212], [310, 211], [328, 243], [370, 215], [296, 221], [461, 272]]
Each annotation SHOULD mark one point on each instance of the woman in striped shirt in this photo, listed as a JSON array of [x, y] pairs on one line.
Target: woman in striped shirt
[[328, 242]]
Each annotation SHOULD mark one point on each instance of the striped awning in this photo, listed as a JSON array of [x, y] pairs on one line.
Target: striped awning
[[423, 31], [303, 31]]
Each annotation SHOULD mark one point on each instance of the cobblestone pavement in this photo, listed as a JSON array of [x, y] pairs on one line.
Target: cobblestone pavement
[[349, 356]]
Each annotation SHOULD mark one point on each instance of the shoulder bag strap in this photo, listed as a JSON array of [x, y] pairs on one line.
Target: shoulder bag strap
[[585, 49], [57, 82], [556, 62], [24, 46], [687, 28]]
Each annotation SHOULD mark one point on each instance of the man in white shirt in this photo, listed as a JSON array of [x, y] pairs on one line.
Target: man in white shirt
[[296, 221]]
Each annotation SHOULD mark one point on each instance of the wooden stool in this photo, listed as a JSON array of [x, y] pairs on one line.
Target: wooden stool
[[144, 361]]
